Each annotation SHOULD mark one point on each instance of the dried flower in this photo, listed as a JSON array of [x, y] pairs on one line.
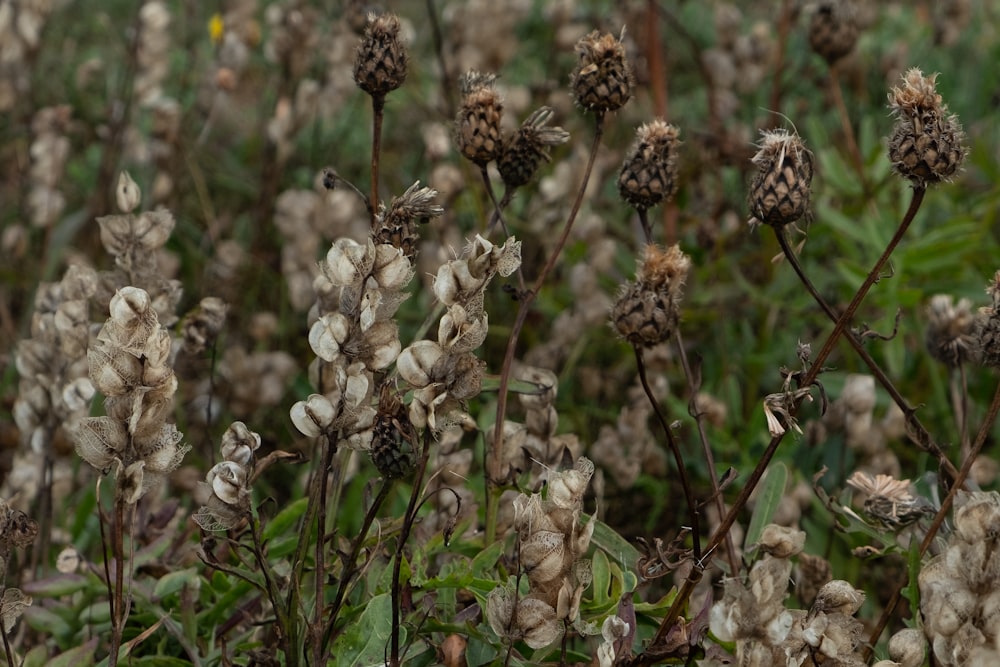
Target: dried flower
[[926, 143], [986, 332], [477, 127], [528, 147], [648, 310], [779, 194], [950, 330], [381, 62], [397, 225], [649, 173], [602, 80], [833, 30]]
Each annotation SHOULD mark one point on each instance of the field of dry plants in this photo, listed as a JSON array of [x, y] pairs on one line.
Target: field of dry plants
[[518, 332]]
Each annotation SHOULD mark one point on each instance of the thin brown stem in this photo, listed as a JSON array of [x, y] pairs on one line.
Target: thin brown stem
[[923, 439], [706, 448], [319, 576], [404, 535], [845, 123], [378, 109], [495, 456], [350, 565], [977, 446], [118, 611]]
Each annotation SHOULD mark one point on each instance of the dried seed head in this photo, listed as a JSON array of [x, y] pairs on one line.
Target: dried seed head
[[202, 325], [392, 449], [477, 127], [926, 143], [649, 174], [127, 193], [779, 194], [838, 596], [380, 64], [987, 328], [397, 225], [950, 330], [602, 80], [781, 541], [648, 310], [528, 147], [833, 30]]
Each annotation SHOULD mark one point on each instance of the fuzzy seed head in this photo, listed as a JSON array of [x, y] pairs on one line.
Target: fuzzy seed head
[[477, 127], [780, 191], [649, 173], [833, 30], [647, 311], [602, 80], [381, 62], [926, 143], [528, 147], [950, 330]]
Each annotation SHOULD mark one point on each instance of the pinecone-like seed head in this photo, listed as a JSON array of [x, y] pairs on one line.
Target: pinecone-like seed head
[[649, 173], [392, 445], [602, 80], [780, 190], [926, 143], [381, 61], [987, 328], [477, 127], [647, 311], [397, 226], [950, 327], [528, 147], [833, 30]]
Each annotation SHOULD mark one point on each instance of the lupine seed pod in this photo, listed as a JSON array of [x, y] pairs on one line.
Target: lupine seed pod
[[381, 62], [833, 30], [926, 143], [528, 147], [649, 174], [647, 311], [477, 127], [779, 194], [602, 80]]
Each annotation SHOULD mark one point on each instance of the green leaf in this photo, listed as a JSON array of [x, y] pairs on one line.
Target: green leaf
[[81, 656], [286, 519], [47, 621], [175, 581], [364, 642], [486, 560], [57, 586], [36, 657], [771, 492], [614, 545], [602, 579]]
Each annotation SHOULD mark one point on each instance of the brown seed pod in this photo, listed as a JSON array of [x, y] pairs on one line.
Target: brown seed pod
[[649, 174], [602, 80], [779, 194], [833, 31], [381, 62], [477, 127]]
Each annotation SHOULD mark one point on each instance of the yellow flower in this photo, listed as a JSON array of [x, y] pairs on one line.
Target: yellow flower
[[215, 28]]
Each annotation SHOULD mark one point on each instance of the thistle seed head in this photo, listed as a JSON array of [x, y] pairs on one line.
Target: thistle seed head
[[833, 30], [477, 127], [528, 147], [647, 311], [950, 329], [381, 61], [649, 173], [602, 80], [926, 143], [780, 191]]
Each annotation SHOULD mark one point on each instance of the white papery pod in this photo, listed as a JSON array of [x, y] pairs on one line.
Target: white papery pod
[[383, 345], [566, 488], [458, 331], [130, 305], [127, 193], [163, 453], [416, 362], [355, 385], [537, 621], [500, 611], [392, 269], [12, 605], [77, 394], [313, 416], [327, 334], [152, 229], [113, 371], [542, 556], [98, 440], [362, 438], [228, 481], [349, 262], [239, 444], [423, 407]]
